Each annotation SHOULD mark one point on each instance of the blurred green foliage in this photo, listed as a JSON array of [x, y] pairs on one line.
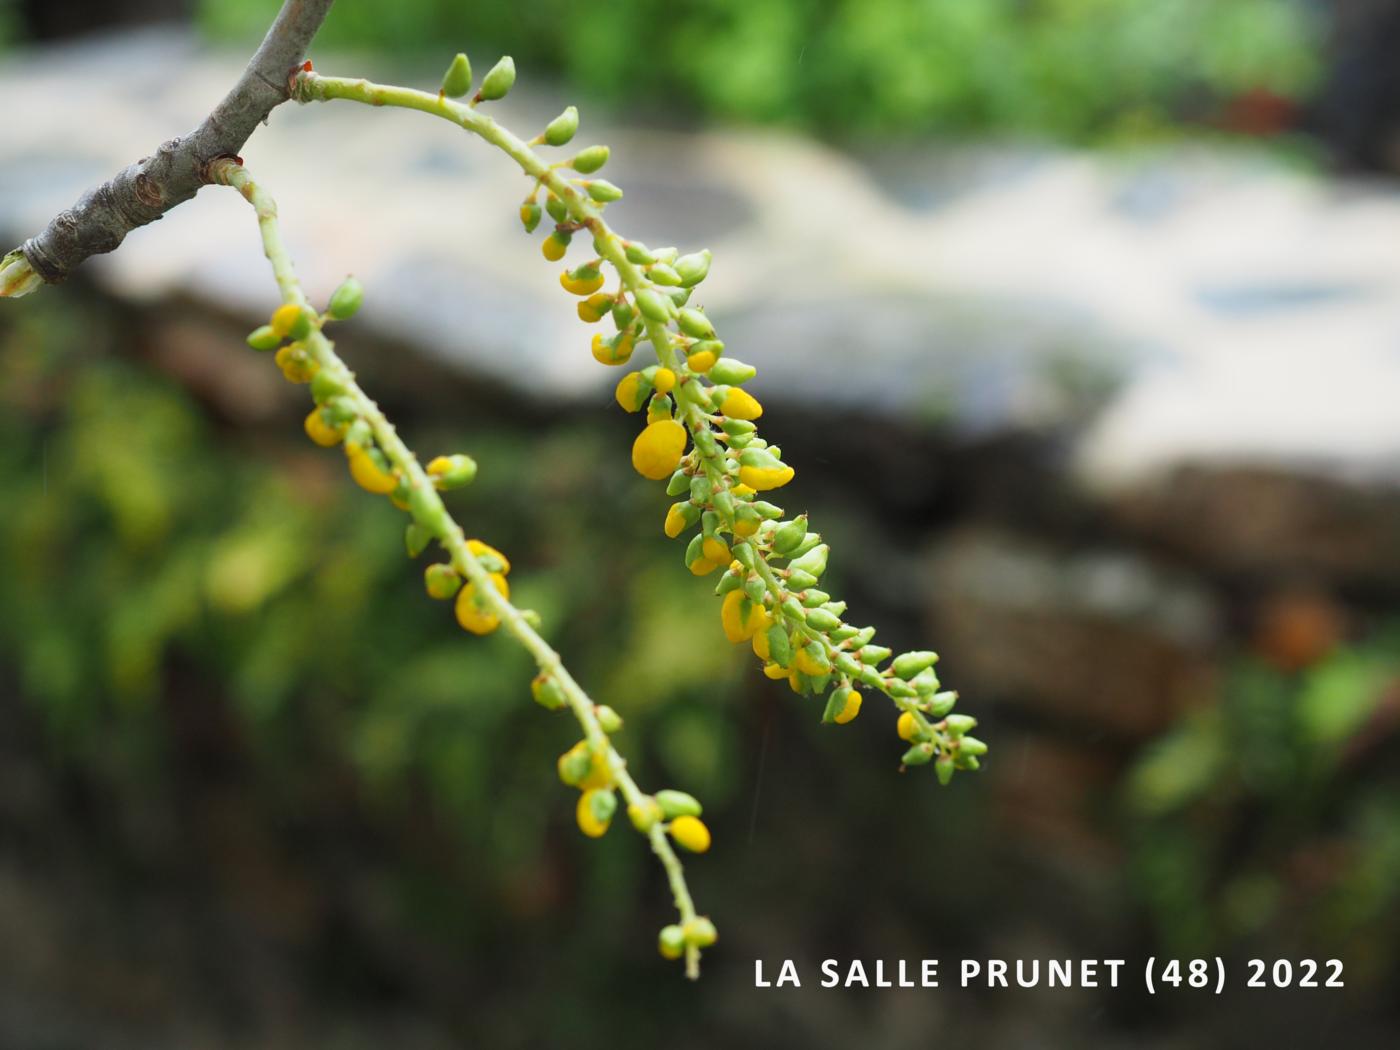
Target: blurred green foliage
[[1074, 69], [1276, 812], [160, 568]]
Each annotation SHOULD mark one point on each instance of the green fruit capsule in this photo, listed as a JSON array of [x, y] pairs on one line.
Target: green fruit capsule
[[941, 704], [457, 81], [663, 275], [441, 581], [547, 692], [822, 620], [779, 648], [608, 719], [558, 210], [918, 755], [696, 324], [671, 942], [346, 299], [603, 191], [587, 161], [416, 539], [732, 372], [677, 804], [561, 129], [499, 81], [652, 305], [639, 253], [813, 562], [789, 534], [693, 268], [264, 338], [907, 665], [960, 724], [944, 768]]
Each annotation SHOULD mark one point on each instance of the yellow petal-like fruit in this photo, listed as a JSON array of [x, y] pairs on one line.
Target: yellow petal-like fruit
[[691, 833], [658, 449]]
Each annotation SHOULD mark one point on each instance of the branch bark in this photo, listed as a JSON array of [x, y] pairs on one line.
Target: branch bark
[[143, 192]]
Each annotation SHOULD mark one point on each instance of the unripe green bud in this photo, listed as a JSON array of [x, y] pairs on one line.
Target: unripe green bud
[[732, 371], [416, 539], [264, 338], [346, 299], [814, 561], [790, 534], [663, 275], [848, 665], [547, 692], [608, 719], [693, 268], [441, 580], [679, 483], [428, 511], [604, 805], [671, 942], [700, 489], [603, 191], [653, 305], [918, 755], [793, 610], [941, 704], [499, 81], [874, 654], [530, 216], [587, 161], [799, 580], [813, 597], [926, 682], [944, 768], [736, 427], [835, 704], [694, 323], [325, 386], [808, 541], [561, 129], [677, 804], [636, 251], [822, 620], [700, 932], [779, 646], [558, 210], [755, 588], [452, 472], [457, 81], [907, 665], [960, 724], [623, 315], [730, 581], [843, 633], [970, 745], [575, 764]]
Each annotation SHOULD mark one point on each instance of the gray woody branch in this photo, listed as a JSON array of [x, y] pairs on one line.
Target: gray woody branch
[[146, 190]]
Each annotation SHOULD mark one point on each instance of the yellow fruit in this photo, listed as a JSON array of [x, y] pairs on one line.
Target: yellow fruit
[[368, 474], [285, 319], [745, 529], [664, 380], [740, 404], [850, 710], [675, 521], [554, 247], [584, 281], [741, 618], [658, 449], [701, 362], [592, 309], [691, 833], [608, 352], [715, 549], [906, 727], [599, 773], [472, 615], [321, 432], [808, 664], [485, 550], [703, 567], [761, 649], [775, 671], [631, 392], [761, 479], [588, 821]]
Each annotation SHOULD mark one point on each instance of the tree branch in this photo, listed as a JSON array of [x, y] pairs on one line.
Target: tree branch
[[146, 190]]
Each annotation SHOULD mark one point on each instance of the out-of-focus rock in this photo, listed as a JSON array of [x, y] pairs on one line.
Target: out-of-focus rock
[[1103, 640]]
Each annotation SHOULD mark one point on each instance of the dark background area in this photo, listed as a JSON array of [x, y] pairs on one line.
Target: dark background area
[[257, 791]]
